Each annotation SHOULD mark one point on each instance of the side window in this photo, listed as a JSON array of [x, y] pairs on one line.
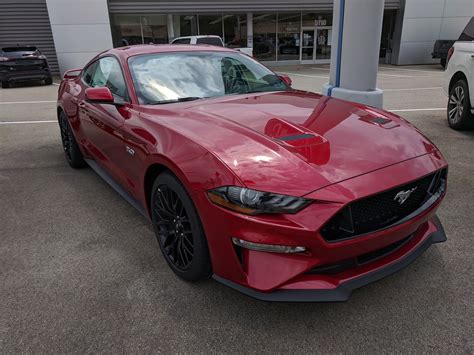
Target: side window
[[88, 73], [182, 41], [108, 73]]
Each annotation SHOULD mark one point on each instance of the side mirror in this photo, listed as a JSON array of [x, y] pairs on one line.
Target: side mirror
[[99, 95], [286, 79], [71, 74]]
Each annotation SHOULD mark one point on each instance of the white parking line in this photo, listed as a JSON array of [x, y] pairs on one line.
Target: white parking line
[[26, 122], [406, 89], [397, 76], [414, 70], [419, 109], [25, 102]]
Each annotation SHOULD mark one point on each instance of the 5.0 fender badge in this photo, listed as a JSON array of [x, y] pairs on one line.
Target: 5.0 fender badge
[[130, 150]]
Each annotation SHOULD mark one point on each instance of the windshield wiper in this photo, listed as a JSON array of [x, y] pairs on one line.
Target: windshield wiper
[[180, 99]]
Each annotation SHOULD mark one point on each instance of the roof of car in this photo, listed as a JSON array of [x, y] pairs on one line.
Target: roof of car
[[134, 50]]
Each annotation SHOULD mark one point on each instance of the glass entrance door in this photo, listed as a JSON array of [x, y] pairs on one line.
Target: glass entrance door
[[315, 45], [307, 48]]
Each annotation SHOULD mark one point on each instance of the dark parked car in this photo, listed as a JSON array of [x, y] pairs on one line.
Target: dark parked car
[[22, 64], [440, 50]]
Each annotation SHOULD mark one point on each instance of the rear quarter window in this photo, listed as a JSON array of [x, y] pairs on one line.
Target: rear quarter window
[[88, 73]]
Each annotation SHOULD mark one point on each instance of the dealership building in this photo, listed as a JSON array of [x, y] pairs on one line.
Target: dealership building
[[71, 32]]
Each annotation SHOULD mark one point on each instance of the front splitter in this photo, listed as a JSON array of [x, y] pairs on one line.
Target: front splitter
[[342, 292]]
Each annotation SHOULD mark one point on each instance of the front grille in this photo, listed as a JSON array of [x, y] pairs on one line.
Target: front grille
[[384, 209]]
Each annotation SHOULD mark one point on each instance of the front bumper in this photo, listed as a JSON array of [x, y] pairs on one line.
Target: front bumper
[[343, 291], [298, 276]]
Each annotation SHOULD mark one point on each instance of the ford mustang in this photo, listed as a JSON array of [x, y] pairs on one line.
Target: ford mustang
[[281, 194]]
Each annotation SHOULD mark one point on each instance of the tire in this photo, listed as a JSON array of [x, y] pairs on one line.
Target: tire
[[459, 109], [71, 149], [48, 81], [443, 62], [5, 84], [179, 230]]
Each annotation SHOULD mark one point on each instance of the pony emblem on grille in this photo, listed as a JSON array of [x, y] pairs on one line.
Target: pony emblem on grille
[[402, 196]]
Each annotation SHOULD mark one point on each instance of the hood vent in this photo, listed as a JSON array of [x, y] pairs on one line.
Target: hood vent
[[296, 137]]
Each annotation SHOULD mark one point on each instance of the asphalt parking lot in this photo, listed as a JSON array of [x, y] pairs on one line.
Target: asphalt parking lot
[[81, 271]]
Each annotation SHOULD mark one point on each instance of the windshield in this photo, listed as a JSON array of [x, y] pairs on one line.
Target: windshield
[[183, 76]]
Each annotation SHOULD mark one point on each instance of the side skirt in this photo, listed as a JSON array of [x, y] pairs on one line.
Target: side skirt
[[117, 187]]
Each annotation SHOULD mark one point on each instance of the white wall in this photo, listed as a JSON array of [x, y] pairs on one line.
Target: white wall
[[81, 29], [426, 21]]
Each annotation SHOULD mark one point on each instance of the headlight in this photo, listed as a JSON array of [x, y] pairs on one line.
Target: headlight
[[253, 202]]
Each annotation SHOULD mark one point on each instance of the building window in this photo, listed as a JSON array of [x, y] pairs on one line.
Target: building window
[[235, 30], [289, 26], [126, 30], [264, 36], [155, 29], [188, 25], [137, 29], [276, 36], [210, 25]]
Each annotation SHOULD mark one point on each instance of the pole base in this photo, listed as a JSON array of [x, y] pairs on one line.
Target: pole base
[[372, 98]]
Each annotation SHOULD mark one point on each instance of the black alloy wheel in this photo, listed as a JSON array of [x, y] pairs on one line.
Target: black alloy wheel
[[178, 229], [174, 227], [70, 147], [65, 137], [459, 115]]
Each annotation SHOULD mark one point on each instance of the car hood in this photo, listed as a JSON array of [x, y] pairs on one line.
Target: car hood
[[296, 142]]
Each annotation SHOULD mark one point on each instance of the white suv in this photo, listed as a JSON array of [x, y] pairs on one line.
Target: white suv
[[212, 40], [459, 80]]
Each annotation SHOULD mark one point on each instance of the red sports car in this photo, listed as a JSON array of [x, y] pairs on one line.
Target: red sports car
[[284, 195]]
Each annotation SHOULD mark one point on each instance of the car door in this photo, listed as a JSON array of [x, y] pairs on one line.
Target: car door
[[102, 124]]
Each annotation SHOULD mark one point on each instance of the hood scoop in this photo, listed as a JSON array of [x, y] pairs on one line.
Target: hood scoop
[[308, 145]]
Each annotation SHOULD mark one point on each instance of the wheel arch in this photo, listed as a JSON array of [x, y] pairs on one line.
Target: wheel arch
[[151, 174], [459, 75], [158, 165], [192, 177], [59, 110]]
